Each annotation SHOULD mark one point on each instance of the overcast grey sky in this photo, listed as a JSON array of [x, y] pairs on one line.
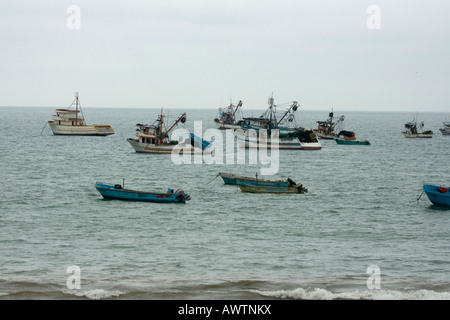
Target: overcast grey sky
[[202, 54]]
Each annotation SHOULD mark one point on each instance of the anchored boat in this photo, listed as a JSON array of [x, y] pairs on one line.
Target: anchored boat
[[413, 130], [351, 142], [230, 178], [446, 129], [326, 129], [438, 195], [228, 118], [116, 191], [267, 131], [249, 187], [70, 122], [155, 138]]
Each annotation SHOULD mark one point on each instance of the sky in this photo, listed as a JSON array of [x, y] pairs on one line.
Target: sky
[[343, 55]]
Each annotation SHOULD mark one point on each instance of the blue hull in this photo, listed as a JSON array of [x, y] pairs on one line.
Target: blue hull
[[113, 192], [264, 183], [352, 142], [229, 178], [438, 195]]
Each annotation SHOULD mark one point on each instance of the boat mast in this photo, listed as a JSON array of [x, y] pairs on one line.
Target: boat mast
[[182, 118], [76, 113], [235, 110], [271, 111], [160, 126], [293, 107]]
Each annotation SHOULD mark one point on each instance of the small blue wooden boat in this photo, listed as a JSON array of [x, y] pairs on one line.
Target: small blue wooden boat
[[116, 191], [229, 178], [351, 142], [253, 188], [438, 195]]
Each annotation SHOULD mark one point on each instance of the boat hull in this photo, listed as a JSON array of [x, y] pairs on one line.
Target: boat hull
[[352, 142], [323, 135], [141, 147], [445, 132], [229, 178], [311, 145], [438, 195], [249, 141], [282, 145], [417, 135], [84, 130], [226, 126], [271, 189], [111, 192]]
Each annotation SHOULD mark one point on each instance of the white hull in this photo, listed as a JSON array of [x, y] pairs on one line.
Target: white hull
[[82, 130], [225, 126], [324, 136], [66, 122], [412, 130], [311, 145], [416, 135], [142, 147], [222, 126]]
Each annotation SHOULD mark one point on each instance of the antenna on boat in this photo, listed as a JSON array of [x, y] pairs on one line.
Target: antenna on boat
[[123, 183], [270, 114], [270, 101], [76, 113]]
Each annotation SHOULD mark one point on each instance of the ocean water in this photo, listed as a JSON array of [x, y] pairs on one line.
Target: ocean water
[[361, 212]]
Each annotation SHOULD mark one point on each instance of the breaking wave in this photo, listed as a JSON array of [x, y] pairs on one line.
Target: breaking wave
[[323, 294], [95, 294]]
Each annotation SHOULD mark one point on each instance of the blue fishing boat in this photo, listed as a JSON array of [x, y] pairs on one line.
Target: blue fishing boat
[[116, 191], [229, 178], [351, 142], [438, 195]]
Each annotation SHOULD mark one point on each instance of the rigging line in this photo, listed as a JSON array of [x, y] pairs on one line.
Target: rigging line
[[43, 128], [420, 196], [214, 178]]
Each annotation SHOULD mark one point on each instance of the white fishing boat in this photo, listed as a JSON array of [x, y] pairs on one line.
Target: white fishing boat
[[301, 140], [446, 129], [279, 134], [229, 118], [412, 130], [155, 138], [259, 138], [70, 122]]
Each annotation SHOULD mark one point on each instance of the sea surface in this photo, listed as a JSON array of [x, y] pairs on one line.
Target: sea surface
[[363, 231]]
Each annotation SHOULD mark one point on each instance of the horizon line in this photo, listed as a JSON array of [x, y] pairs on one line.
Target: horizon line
[[210, 108]]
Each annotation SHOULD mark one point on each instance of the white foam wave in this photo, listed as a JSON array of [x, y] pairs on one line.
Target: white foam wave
[[323, 294], [95, 294]]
